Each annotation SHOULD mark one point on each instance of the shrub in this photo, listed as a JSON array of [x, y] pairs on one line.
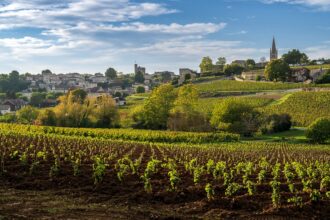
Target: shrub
[[184, 115], [237, 117], [277, 70], [276, 123], [46, 117], [140, 89], [319, 131], [195, 122], [324, 79], [8, 118], [27, 115], [155, 111]]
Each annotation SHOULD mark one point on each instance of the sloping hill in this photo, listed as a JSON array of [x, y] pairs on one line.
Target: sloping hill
[[304, 107]]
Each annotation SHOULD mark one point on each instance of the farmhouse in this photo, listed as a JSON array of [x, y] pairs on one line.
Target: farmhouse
[[14, 104], [186, 73], [4, 109]]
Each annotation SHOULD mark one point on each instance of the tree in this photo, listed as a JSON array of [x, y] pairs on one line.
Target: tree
[[14, 76], [46, 117], [104, 114], [278, 70], [262, 59], [295, 57], [221, 61], [206, 65], [139, 77], [251, 64], [111, 73], [37, 98], [154, 113], [319, 131], [27, 115], [187, 77], [12, 83], [233, 69], [184, 115], [78, 110], [78, 95], [324, 79], [140, 89], [235, 116], [118, 94], [74, 109], [166, 77], [45, 72], [276, 123]]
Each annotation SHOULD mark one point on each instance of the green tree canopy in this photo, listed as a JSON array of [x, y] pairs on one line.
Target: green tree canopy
[[46, 117], [140, 89], [166, 77], [37, 98], [325, 78], [78, 95], [235, 116], [104, 114], [12, 83], [251, 64], [206, 65], [233, 69], [221, 61], [27, 115], [184, 115], [319, 131], [139, 77], [295, 57], [77, 110], [111, 73], [277, 70], [155, 112], [47, 71]]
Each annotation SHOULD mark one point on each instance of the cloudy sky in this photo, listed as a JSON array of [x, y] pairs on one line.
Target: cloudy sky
[[88, 36]]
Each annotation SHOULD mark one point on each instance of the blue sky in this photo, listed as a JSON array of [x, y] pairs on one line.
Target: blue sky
[[87, 36]]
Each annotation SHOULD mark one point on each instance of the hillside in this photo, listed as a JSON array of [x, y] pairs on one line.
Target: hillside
[[304, 107], [207, 105], [233, 88]]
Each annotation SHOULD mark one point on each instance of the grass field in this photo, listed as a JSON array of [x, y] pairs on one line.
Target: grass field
[[295, 135]]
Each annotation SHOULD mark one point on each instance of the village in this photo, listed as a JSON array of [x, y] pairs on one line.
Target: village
[[43, 89]]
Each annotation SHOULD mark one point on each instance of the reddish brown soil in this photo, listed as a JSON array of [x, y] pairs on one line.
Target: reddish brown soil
[[24, 196]]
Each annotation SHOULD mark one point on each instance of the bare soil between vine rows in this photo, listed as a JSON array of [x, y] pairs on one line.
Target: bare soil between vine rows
[[24, 196]]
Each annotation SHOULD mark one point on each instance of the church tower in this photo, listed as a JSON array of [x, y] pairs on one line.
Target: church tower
[[273, 51]]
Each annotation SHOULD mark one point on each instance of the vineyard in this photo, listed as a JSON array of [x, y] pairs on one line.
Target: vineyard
[[207, 105], [303, 107], [232, 85], [214, 180], [127, 134]]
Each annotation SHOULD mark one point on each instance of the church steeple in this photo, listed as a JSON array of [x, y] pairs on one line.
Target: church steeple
[[273, 51]]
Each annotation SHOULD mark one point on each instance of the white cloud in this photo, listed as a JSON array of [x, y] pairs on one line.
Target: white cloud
[[86, 35], [48, 13], [316, 52], [320, 4]]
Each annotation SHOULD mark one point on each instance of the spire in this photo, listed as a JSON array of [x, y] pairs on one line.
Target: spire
[[274, 45], [273, 51]]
